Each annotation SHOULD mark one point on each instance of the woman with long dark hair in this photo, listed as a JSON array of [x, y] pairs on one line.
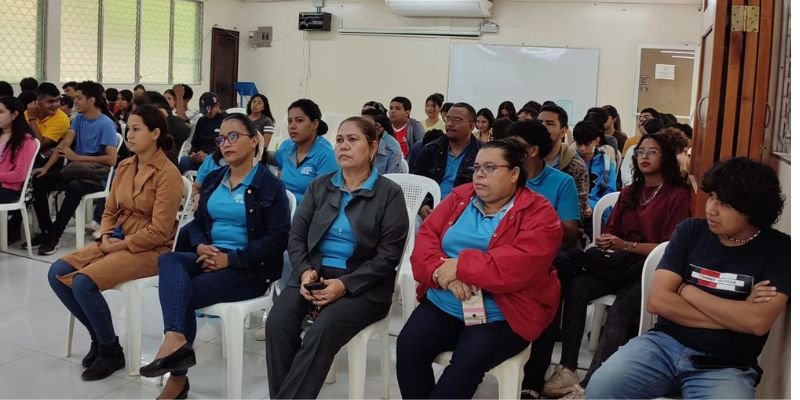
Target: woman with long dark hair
[[124, 102], [507, 111], [259, 112], [646, 215], [17, 152]]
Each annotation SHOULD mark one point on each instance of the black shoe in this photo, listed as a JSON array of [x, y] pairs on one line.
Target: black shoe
[[36, 241], [90, 356], [49, 246], [182, 358], [184, 392], [110, 358]]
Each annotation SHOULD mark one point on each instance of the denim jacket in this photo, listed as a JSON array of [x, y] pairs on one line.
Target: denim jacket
[[267, 224]]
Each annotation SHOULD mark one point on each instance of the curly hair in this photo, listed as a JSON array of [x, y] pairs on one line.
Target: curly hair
[[750, 187], [677, 138], [670, 170]]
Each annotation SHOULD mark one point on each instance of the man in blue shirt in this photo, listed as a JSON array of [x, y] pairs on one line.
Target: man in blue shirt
[[601, 167], [449, 160], [92, 138]]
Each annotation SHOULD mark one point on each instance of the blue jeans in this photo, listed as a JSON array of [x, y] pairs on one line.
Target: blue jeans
[[187, 164], [84, 301], [476, 350], [656, 365], [183, 287]]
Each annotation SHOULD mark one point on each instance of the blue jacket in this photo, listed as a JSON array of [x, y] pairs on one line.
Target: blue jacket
[[267, 224]]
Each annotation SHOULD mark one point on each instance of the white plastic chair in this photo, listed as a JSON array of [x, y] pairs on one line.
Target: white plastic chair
[[132, 292], [602, 303], [647, 320], [87, 201], [236, 110], [403, 166], [18, 205], [509, 374], [415, 189]]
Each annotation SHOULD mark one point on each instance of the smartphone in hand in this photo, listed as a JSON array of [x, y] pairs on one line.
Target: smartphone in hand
[[314, 286]]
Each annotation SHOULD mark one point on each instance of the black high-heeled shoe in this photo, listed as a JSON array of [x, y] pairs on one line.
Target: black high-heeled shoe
[[183, 394], [182, 358]]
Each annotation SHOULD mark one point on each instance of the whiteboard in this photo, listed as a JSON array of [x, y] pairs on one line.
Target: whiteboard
[[486, 75]]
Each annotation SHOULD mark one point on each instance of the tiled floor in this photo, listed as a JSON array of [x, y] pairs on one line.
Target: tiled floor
[[33, 337]]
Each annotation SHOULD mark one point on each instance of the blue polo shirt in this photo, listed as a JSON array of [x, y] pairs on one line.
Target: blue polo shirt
[[227, 211], [92, 136], [208, 166], [559, 188], [320, 160], [339, 242], [472, 230], [450, 172]]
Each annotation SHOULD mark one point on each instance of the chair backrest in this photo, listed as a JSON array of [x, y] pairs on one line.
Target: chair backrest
[[647, 320], [186, 206], [403, 166], [28, 175], [111, 170], [415, 189], [185, 147], [292, 204], [238, 110], [605, 202]]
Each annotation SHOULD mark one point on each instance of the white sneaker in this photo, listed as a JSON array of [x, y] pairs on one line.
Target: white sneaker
[[575, 392], [261, 334], [92, 226], [560, 383]]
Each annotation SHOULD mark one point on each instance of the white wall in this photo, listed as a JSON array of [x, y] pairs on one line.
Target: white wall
[[346, 71]]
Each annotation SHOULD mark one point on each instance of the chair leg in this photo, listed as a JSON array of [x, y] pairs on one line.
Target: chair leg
[[134, 320], [70, 332], [509, 383], [331, 377], [234, 337], [385, 364], [80, 224], [409, 296], [357, 365], [3, 230], [597, 325], [27, 227]]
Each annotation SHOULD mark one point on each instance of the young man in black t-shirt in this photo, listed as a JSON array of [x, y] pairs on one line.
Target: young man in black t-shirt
[[719, 287], [205, 131]]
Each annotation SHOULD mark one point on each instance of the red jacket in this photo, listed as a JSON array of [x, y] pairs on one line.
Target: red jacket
[[518, 267]]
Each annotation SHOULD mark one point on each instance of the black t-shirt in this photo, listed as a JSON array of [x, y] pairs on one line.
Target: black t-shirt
[[205, 131], [179, 130], [697, 254]]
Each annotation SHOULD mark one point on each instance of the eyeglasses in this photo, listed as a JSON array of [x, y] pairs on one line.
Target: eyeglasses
[[232, 138], [457, 120], [487, 169], [641, 153]]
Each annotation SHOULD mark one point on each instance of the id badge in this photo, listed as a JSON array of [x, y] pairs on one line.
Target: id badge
[[474, 310]]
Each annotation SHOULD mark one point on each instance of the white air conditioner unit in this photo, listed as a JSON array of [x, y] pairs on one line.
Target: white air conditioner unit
[[441, 8]]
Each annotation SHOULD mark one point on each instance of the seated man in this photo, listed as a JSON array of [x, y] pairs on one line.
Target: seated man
[[449, 160], [92, 140], [719, 287], [204, 133], [601, 167], [48, 123]]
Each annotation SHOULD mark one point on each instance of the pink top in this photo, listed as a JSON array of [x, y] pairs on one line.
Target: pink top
[[13, 174]]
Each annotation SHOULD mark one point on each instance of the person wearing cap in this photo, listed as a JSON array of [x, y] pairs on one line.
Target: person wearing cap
[[204, 133]]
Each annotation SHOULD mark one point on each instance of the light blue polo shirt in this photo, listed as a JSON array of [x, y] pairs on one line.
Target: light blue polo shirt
[[450, 172], [227, 211], [208, 166], [92, 136], [339, 242], [559, 188], [472, 230], [320, 160]]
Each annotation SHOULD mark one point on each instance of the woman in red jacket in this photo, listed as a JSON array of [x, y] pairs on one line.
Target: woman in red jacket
[[487, 249]]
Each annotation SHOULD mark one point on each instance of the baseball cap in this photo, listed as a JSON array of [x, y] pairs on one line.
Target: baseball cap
[[207, 101]]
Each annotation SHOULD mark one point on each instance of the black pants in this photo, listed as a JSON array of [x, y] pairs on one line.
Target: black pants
[[622, 315], [476, 350], [73, 191], [296, 368], [14, 217]]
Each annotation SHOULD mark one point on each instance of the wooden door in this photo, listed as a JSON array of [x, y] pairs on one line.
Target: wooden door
[[735, 57], [224, 66]]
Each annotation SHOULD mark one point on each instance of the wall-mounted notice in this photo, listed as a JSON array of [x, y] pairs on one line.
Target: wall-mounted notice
[[665, 71]]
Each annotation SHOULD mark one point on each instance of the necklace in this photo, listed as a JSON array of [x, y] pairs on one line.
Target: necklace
[[741, 241], [652, 196]]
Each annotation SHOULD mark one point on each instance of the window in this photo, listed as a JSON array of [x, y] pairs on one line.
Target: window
[[127, 41], [22, 32]]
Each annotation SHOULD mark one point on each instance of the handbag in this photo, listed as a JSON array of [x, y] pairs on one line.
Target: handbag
[[617, 268], [85, 170]]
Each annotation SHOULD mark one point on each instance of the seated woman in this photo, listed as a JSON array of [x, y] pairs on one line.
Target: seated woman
[[306, 154], [709, 333], [239, 234], [17, 152], [492, 240], [347, 239], [138, 225], [259, 112], [645, 215]]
